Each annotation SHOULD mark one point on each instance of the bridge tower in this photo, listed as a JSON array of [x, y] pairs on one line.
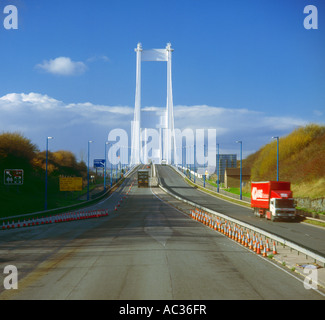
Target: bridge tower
[[167, 141]]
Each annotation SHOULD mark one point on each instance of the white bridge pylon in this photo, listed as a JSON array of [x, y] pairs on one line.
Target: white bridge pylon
[[167, 141]]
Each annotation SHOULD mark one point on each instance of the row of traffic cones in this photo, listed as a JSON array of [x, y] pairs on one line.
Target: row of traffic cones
[[123, 197], [63, 217], [235, 232]]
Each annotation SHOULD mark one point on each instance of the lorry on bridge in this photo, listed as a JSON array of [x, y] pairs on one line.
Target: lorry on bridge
[[273, 200], [143, 178]]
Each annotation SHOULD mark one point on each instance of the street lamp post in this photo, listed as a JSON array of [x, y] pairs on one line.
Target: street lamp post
[[106, 143], [204, 165], [241, 159], [116, 172], [218, 169], [183, 159], [194, 161], [190, 160], [277, 157], [47, 147], [111, 174], [89, 142], [187, 159]]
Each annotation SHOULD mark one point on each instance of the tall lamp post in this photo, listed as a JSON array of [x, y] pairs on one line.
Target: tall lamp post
[[194, 161], [277, 157], [204, 165], [106, 143], [183, 159], [110, 160], [47, 151], [218, 168], [89, 142], [241, 159], [111, 173]]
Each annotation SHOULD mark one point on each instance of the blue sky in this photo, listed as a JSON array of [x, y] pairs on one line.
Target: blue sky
[[248, 68]]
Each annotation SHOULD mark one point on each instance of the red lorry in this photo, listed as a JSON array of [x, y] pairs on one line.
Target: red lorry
[[273, 200]]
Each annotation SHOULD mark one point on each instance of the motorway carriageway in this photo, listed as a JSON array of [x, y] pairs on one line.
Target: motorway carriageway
[[146, 250], [307, 236]]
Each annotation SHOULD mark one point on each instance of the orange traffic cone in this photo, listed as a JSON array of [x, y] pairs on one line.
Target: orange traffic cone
[[251, 244], [254, 239], [267, 246], [258, 248], [261, 242], [238, 235], [243, 239], [264, 252], [274, 248]]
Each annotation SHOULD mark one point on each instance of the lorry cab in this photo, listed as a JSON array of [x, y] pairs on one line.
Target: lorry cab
[[281, 208]]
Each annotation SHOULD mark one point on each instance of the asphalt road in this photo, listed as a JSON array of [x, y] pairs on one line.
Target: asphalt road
[[305, 235], [146, 250]]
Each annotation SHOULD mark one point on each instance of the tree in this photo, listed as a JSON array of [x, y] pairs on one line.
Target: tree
[[16, 150]]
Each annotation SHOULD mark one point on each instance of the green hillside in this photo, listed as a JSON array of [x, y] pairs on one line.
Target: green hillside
[[301, 161]]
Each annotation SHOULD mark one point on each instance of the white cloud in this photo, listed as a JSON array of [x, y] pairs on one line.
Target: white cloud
[[38, 116], [254, 128], [318, 113], [63, 66], [98, 58]]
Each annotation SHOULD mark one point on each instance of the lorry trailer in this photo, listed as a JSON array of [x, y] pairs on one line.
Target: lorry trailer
[[273, 200]]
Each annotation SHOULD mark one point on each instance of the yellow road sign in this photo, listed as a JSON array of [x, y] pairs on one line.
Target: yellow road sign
[[70, 183]]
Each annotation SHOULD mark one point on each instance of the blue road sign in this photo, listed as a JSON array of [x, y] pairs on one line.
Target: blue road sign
[[99, 163]]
